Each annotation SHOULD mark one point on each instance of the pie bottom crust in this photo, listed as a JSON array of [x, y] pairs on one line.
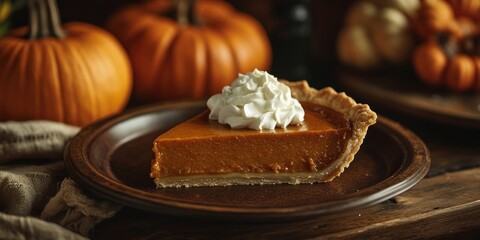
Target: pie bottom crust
[[359, 115], [324, 175]]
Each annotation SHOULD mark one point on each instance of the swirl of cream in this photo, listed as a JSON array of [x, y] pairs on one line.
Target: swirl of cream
[[256, 100]]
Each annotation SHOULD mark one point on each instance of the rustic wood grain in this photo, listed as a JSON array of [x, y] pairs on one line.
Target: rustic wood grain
[[439, 206]]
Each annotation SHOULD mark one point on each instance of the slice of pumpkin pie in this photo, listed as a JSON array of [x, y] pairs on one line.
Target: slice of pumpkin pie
[[263, 131]]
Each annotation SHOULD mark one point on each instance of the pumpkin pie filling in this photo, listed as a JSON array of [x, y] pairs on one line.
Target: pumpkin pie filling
[[203, 152], [201, 146]]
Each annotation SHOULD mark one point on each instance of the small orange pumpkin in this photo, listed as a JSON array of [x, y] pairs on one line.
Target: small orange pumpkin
[[429, 61], [456, 70], [456, 17], [465, 8], [476, 85], [460, 73], [449, 55], [433, 16], [189, 49], [75, 74]]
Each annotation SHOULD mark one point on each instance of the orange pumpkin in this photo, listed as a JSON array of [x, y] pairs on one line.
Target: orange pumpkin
[[476, 85], [432, 17], [465, 8], [456, 17], [75, 74], [456, 71], [460, 73], [449, 55], [429, 61], [188, 49]]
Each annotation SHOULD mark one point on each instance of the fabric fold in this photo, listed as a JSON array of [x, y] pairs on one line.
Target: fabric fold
[[76, 211], [23, 228], [33, 140], [37, 199], [25, 189]]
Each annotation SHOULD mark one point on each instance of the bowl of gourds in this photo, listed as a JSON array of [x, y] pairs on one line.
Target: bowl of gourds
[[439, 39], [419, 57]]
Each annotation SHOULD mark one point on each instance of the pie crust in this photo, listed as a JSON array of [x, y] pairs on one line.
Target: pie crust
[[359, 117]]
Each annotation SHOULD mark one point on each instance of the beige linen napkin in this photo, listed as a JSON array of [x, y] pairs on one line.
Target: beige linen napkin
[[33, 139], [19, 228], [26, 188], [33, 185], [75, 210]]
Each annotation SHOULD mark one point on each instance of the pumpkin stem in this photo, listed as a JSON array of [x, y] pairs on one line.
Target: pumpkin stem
[[44, 20], [34, 21], [55, 22], [186, 12]]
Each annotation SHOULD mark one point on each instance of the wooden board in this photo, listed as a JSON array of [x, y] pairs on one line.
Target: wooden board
[[444, 205]]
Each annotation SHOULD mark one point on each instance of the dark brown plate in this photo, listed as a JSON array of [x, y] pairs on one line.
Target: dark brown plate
[[405, 94], [112, 159]]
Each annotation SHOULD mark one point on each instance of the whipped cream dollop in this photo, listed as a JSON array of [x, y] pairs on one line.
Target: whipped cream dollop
[[256, 100]]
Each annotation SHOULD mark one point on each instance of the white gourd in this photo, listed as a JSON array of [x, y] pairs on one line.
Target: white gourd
[[359, 53], [407, 7], [376, 32], [354, 46], [361, 13], [392, 36]]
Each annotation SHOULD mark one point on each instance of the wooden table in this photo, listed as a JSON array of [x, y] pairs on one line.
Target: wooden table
[[444, 204]]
